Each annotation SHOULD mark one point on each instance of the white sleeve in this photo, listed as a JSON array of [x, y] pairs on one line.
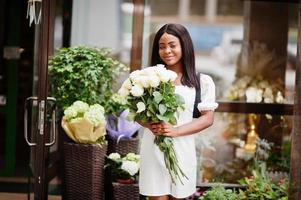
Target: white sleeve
[[207, 94]]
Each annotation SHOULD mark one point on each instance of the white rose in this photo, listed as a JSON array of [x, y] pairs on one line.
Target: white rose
[[135, 74], [164, 75], [144, 81], [254, 95], [137, 91], [124, 92], [127, 84], [160, 65], [154, 81], [130, 166], [149, 71], [114, 156], [140, 106]]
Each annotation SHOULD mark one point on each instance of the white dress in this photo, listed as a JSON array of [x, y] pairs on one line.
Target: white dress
[[154, 179]]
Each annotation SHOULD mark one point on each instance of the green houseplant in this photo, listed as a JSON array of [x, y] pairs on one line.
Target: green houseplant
[[82, 73]]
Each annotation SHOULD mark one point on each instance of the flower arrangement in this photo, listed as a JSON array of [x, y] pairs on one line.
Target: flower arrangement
[[257, 75], [84, 123], [125, 168], [151, 97], [256, 90], [117, 124]]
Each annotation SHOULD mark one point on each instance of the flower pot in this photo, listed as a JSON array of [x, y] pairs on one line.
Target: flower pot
[[84, 176], [123, 191], [123, 146], [126, 181]]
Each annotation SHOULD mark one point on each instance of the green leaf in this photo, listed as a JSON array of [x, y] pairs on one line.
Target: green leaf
[[157, 97], [162, 118], [172, 120], [180, 99], [162, 109]]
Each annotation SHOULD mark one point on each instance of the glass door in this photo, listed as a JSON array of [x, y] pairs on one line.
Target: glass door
[[39, 111]]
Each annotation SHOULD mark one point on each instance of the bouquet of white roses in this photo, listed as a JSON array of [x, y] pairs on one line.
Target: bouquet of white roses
[[126, 167], [151, 98], [84, 123]]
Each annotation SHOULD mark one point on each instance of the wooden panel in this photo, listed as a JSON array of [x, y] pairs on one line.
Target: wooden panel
[[295, 172], [137, 37]]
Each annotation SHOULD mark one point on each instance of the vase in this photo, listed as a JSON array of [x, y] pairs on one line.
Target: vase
[[252, 135], [83, 171], [122, 191]]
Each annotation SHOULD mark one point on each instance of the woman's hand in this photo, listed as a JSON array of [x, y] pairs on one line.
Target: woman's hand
[[164, 129]]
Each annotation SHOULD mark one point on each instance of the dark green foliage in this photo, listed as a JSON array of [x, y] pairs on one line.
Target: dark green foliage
[[82, 73]]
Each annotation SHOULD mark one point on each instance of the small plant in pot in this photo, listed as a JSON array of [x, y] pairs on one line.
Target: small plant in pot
[[85, 125], [125, 169]]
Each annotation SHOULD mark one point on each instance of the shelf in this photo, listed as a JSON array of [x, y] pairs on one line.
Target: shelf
[[257, 108]]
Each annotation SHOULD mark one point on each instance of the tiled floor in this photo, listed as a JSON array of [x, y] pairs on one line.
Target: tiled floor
[[15, 188], [22, 196]]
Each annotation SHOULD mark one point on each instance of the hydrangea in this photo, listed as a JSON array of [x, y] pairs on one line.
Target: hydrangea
[[79, 110], [130, 167], [132, 157], [84, 123], [114, 156], [96, 117], [124, 167]]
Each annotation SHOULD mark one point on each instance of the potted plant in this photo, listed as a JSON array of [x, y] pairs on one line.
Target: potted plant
[[83, 73], [125, 171], [84, 158]]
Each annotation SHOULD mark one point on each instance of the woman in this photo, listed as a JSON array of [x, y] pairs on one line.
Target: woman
[[173, 47]]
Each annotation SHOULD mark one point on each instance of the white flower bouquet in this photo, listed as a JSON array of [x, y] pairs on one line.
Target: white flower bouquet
[[151, 98], [126, 167], [84, 123]]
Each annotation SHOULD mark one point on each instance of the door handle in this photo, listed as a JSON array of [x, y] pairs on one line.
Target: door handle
[[40, 120], [25, 120], [53, 124]]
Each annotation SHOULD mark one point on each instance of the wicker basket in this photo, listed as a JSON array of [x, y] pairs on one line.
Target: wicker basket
[[84, 176], [123, 146], [125, 191]]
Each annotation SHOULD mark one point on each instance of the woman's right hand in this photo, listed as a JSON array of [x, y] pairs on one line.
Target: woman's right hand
[[155, 128]]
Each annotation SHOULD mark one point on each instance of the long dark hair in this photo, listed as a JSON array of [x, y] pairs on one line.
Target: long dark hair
[[189, 77]]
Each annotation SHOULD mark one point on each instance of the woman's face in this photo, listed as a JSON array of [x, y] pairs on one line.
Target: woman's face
[[170, 50]]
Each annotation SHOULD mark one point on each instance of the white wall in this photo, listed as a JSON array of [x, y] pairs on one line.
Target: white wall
[[96, 23]]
